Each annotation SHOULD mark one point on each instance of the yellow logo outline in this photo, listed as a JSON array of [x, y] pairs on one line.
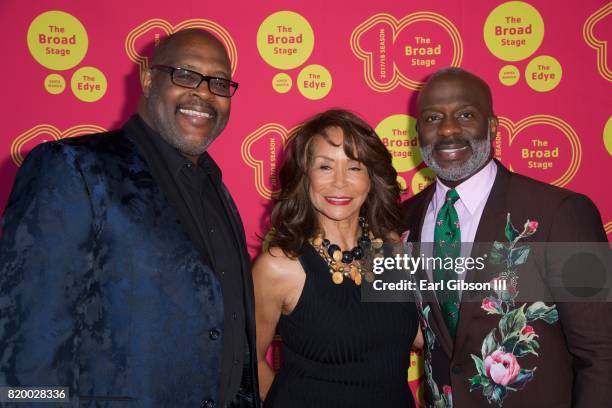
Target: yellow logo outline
[[608, 227], [398, 26], [514, 129], [601, 47], [54, 132], [258, 165], [143, 62]]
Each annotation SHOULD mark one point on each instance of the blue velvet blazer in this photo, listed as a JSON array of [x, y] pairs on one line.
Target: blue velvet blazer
[[101, 289]]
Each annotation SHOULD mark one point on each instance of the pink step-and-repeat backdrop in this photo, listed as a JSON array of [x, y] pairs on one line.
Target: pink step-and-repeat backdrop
[[72, 67]]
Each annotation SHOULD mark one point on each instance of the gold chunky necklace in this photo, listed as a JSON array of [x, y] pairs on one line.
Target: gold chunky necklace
[[347, 263]]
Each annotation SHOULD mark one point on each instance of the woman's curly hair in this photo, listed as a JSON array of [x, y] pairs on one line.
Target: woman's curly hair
[[294, 219]]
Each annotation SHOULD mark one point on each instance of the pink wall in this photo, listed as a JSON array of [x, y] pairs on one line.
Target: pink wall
[[546, 63]]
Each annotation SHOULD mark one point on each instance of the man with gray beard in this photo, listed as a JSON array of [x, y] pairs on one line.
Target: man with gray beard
[[482, 351]]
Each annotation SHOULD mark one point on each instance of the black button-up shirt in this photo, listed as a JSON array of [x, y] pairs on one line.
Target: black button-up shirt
[[195, 191]]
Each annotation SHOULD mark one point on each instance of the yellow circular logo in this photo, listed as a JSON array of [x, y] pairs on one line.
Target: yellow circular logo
[[513, 31], [314, 82], [285, 40], [509, 75], [540, 146], [543, 73], [55, 84], [398, 133], [88, 84], [422, 179], [57, 40], [608, 135], [282, 83]]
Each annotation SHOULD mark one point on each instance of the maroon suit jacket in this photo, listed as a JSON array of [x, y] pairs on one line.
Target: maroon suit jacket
[[574, 361]]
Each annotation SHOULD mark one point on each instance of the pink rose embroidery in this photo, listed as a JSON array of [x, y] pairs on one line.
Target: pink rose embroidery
[[527, 330], [530, 227], [502, 367], [447, 390], [498, 372], [490, 305]]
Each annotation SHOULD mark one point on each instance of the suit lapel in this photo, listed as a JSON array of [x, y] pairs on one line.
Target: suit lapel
[[439, 326], [495, 209], [232, 215], [490, 227], [237, 229], [493, 220], [415, 225], [249, 301]]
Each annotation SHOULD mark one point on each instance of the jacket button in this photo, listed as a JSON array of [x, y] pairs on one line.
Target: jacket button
[[207, 404], [214, 334], [457, 369]]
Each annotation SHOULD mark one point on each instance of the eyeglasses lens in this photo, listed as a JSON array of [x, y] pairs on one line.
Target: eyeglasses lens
[[189, 79], [220, 87], [186, 78]]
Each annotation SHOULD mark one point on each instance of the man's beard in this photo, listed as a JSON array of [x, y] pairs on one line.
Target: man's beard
[[481, 152]]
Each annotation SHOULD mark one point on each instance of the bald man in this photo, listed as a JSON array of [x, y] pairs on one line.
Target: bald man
[[124, 274], [483, 347]]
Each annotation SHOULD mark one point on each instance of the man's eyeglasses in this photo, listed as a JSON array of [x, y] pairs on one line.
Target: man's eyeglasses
[[191, 79]]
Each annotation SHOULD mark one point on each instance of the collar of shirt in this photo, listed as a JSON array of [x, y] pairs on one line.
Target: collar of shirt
[[175, 161], [472, 192]]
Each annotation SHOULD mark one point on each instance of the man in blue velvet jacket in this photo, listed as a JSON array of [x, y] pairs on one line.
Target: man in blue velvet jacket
[[123, 266]]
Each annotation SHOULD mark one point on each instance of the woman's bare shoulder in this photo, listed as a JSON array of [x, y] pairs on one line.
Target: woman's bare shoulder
[[276, 266]]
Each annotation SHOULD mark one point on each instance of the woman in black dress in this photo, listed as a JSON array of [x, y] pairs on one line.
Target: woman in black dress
[[339, 194]]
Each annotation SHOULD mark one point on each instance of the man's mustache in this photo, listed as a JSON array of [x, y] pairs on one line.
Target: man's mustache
[[453, 142]]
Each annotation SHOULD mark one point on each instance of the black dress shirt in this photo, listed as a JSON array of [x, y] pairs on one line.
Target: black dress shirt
[[195, 191]]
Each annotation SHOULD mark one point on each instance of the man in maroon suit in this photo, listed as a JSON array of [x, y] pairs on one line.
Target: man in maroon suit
[[485, 353]]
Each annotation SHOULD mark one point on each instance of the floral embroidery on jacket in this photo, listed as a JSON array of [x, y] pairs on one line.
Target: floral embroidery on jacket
[[499, 371], [438, 399]]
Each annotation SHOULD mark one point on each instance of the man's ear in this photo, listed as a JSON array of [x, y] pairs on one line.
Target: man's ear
[[146, 81], [493, 122]]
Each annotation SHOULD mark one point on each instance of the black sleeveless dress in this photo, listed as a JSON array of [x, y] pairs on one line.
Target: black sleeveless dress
[[339, 352]]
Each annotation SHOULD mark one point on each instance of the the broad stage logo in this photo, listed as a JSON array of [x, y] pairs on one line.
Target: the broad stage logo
[[403, 52], [540, 146]]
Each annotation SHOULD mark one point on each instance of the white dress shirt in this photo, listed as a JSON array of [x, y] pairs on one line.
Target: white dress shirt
[[473, 195]]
